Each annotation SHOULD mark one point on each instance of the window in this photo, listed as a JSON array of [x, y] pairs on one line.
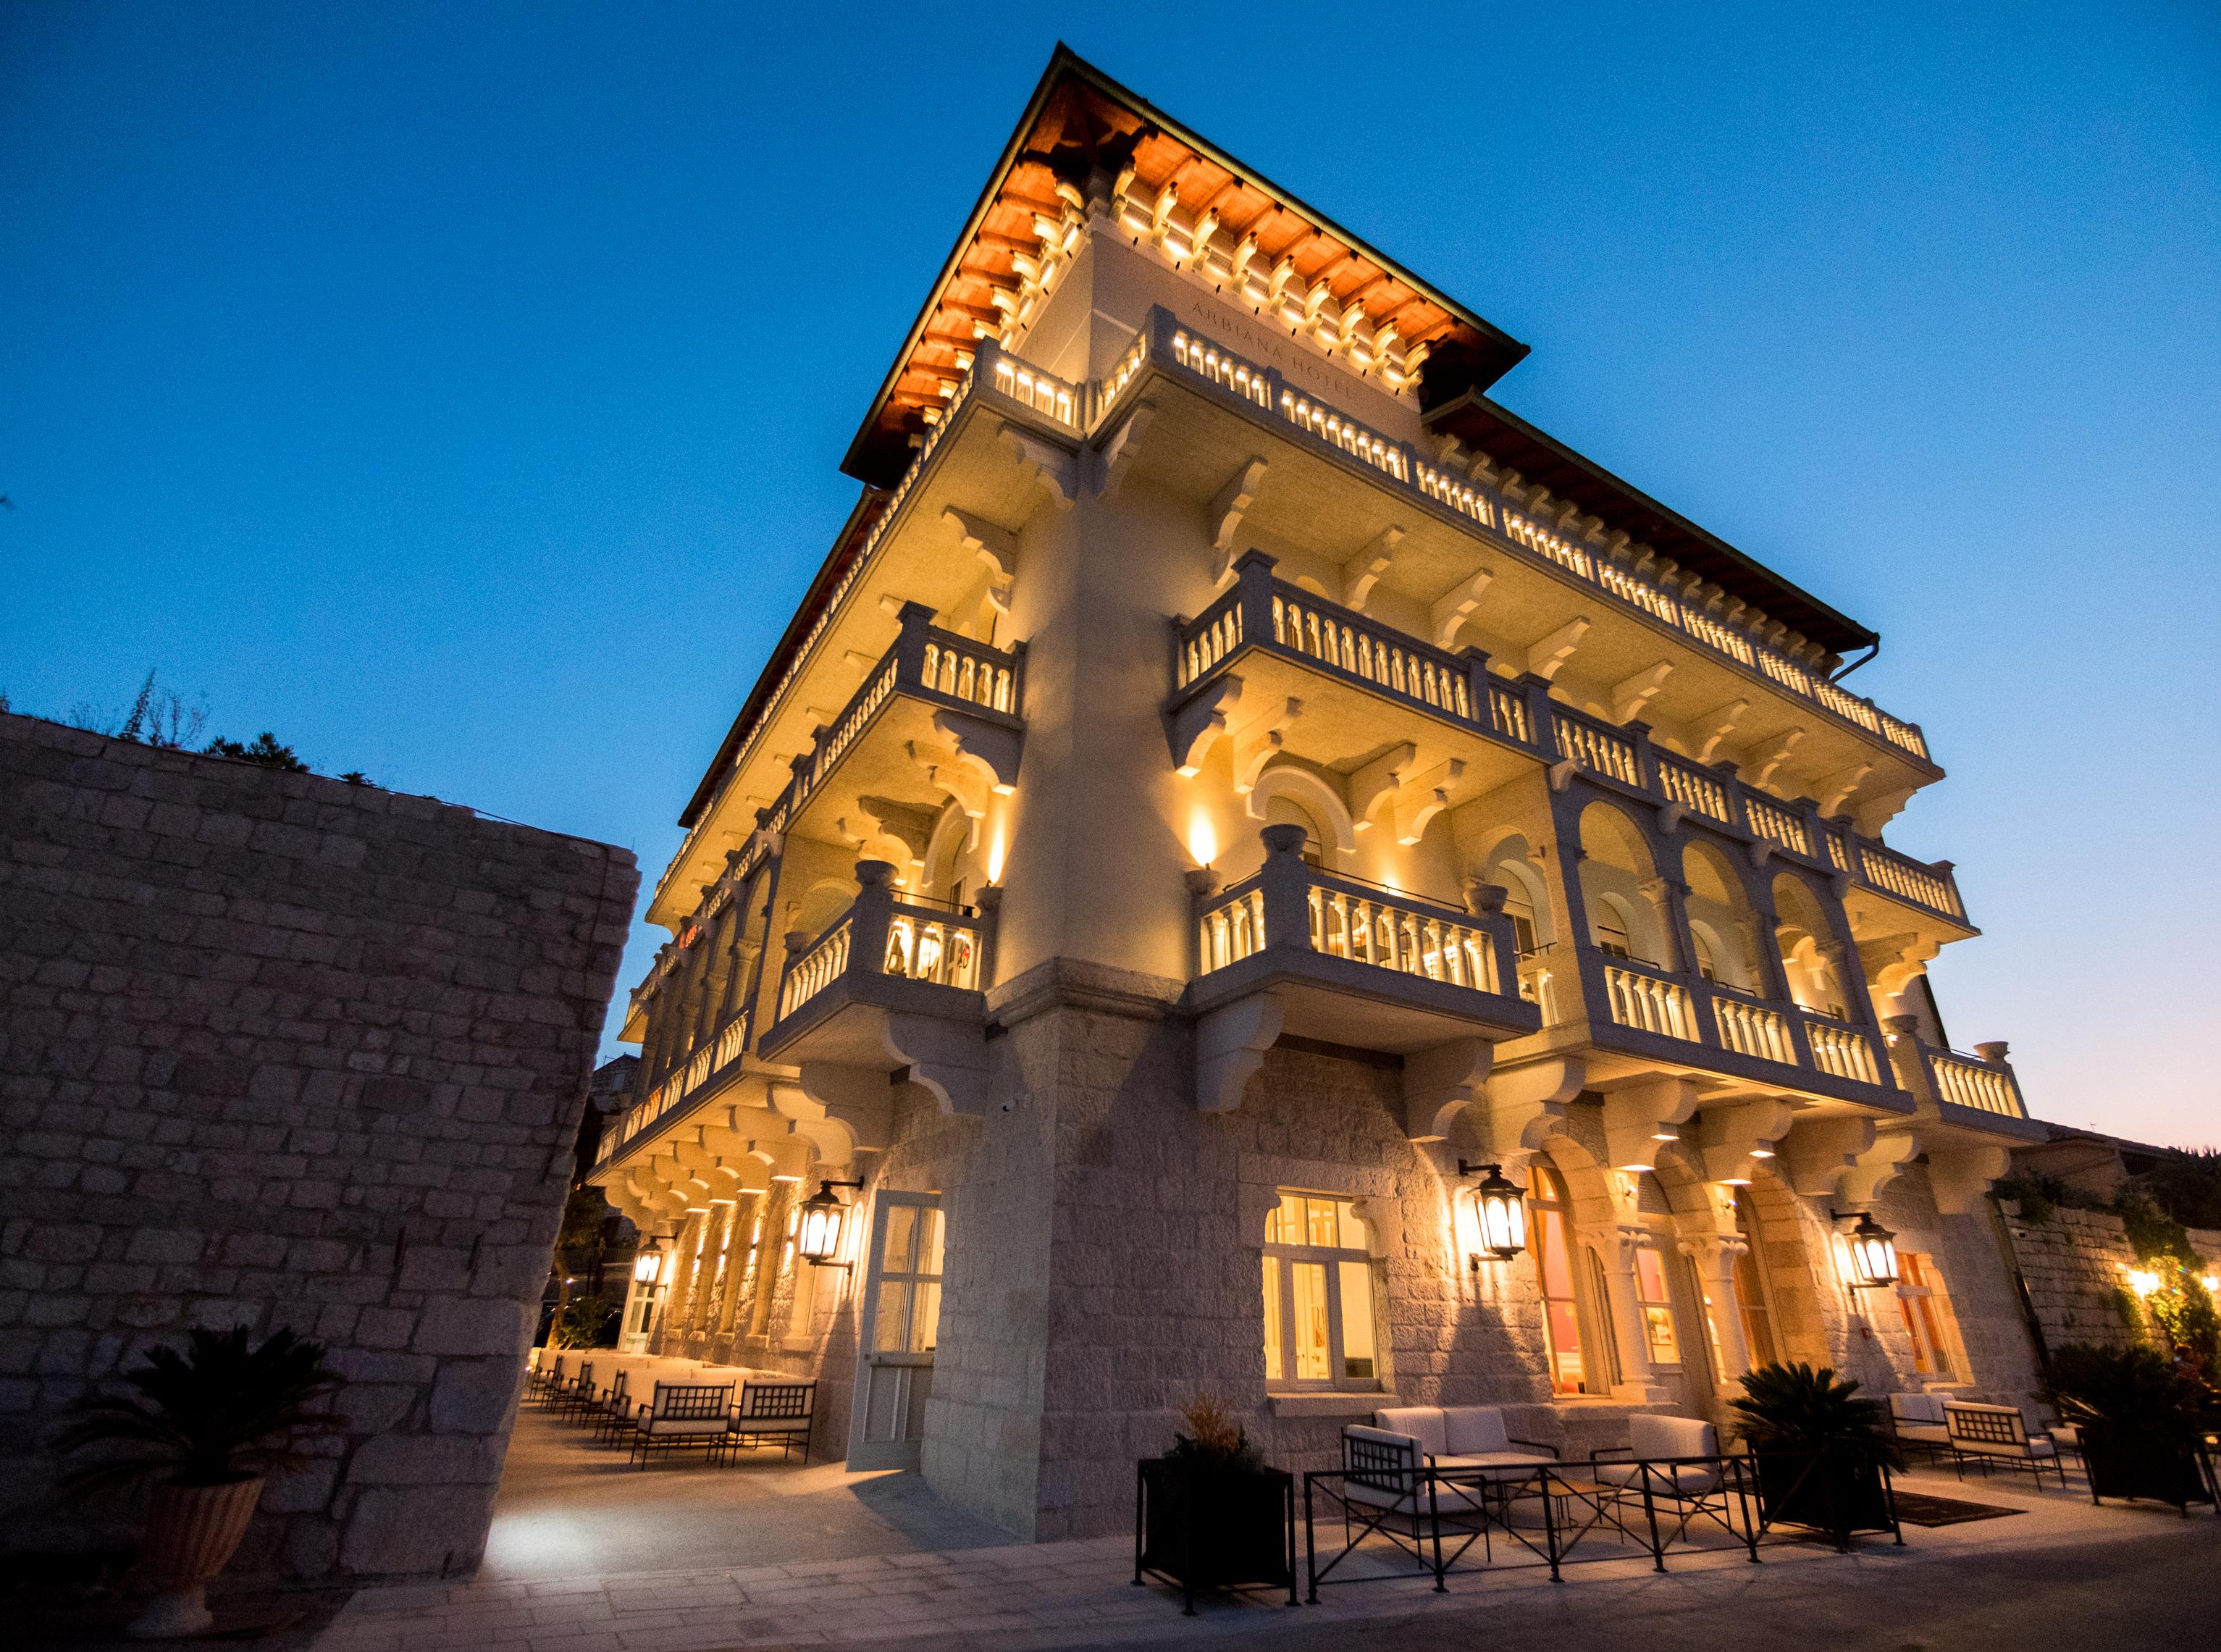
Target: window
[[907, 1318], [1752, 1305], [1706, 967], [1554, 1267], [1927, 1313], [1650, 1295], [1611, 929], [1320, 1314]]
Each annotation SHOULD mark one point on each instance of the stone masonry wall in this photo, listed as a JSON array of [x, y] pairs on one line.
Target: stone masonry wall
[[279, 1051], [2075, 1264]]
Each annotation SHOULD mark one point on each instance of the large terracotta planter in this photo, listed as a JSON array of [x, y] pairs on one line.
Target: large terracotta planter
[[192, 1532]]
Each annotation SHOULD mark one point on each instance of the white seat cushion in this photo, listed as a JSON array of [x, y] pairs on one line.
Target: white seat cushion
[[1671, 1436], [1423, 1422], [1505, 1465], [1685, 1479], [683, 1425], [1924, 1433], [1447, 1499], [1917, 1408], [1470, 1429]]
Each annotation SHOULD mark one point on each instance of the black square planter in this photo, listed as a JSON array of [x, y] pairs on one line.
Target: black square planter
[[2132, 1463], [1824, 1493], [1206, 1531]]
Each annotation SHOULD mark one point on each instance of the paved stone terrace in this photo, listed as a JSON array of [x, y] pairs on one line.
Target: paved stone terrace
[[1078, 1594]]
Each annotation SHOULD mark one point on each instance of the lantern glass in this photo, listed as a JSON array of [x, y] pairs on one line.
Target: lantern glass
[[1502, 1212], [647, 1264], [1874, 1253], [819, 1236]]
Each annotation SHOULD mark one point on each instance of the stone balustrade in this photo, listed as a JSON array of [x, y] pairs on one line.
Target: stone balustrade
[[885, 933], [1983, 1082], [1261, 611], [1289, 903], [1478, 506]]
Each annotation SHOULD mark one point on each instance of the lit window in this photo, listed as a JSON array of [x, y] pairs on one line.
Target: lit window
[[1554, 1266], [1611, 931], [1318, 1285], [1751, 1301], [1705, 966], [906, 1318], [1926, 1311], [1657, 1306]]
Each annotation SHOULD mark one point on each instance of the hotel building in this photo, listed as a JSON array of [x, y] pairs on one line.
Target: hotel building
[[1229, 780]]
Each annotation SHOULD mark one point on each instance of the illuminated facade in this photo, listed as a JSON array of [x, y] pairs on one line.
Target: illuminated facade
[[1228, 772]]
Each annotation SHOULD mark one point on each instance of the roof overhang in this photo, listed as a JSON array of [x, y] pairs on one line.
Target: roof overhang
[[1485, 427], [1079, 122]]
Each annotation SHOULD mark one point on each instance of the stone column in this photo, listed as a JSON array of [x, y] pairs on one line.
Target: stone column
[[1638, 1383], [1715, 1255]]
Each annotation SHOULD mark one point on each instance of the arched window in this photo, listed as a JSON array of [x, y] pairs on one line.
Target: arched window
[[1319, 1298], [1752, 1305], [1282, 811], [1655, 1300], [1611, 935], [1706, 966], [1556, 1268]]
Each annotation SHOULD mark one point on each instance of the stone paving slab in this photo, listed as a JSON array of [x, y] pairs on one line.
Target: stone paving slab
[[1020, 1598]]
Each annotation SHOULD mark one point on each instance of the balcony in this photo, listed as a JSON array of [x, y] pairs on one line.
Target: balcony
[[964, 462], [893, 983], [1489, 515], [939, 716], [1281, 641], [1352, 963]]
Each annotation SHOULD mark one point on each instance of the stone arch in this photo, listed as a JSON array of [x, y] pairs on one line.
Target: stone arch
[[1811, 949], [1509, 863], [1723, 922], [1620, 887], [1793, 1262], [954, 833], [819, 904], [1312, 794]]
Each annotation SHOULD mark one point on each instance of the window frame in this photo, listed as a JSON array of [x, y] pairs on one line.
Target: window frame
[[1548, 1197], [1278, 1260], [1920, 1289]]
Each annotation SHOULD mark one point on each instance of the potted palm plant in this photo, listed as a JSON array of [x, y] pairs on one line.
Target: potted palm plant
[[2141, 1421], [1821, 1452], [1210, 1514], [201, 1430]]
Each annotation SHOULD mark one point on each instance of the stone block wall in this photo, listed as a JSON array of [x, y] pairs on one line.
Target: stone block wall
[[280, 1051], [2075, 1264]]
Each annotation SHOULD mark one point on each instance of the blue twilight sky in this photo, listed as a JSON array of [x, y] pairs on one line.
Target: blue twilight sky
[[419, 382]]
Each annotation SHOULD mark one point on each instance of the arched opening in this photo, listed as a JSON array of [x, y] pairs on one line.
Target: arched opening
[[1281, 810], [1809, 948], [1720, 920], [1576, 1316], [1617, 876]]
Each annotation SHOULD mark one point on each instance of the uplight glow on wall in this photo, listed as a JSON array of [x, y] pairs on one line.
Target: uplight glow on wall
[[1202, 840]]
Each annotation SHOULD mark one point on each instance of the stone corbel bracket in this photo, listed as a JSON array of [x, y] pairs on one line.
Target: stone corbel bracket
[[1200, 724], [1525, 1107], [1055, 469], [1958, 1175], [1642, 1118], [859, 1099], [993, 748], [1818, 1153], [1728, 1139], [1120, 449], [1222, 517], [1230, 1042], [1879, 1165], [996, 548]]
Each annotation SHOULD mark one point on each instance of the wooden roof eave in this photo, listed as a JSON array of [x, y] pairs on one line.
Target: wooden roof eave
[[1483, 426], [1497, 350]]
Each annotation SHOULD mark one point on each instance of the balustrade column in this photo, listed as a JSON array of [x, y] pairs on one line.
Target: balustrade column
[[872, 917], [916, 619], [1646, 759], [1539, 717], [1486, 902], [1904, 1055], [1253, 572], [1475, 662], [1285, 886]]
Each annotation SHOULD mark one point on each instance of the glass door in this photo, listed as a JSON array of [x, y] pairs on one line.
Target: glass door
[[901, 1321]]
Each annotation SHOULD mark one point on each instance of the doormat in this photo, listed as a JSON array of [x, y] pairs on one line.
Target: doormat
[[1918, 1509]]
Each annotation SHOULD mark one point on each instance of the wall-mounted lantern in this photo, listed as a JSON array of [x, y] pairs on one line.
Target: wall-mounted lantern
[[1874, 1252], [648, 1263], [819, 1236], [1500, 1208]]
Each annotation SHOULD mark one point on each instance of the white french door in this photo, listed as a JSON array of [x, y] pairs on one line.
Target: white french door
[[896, 1338]]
